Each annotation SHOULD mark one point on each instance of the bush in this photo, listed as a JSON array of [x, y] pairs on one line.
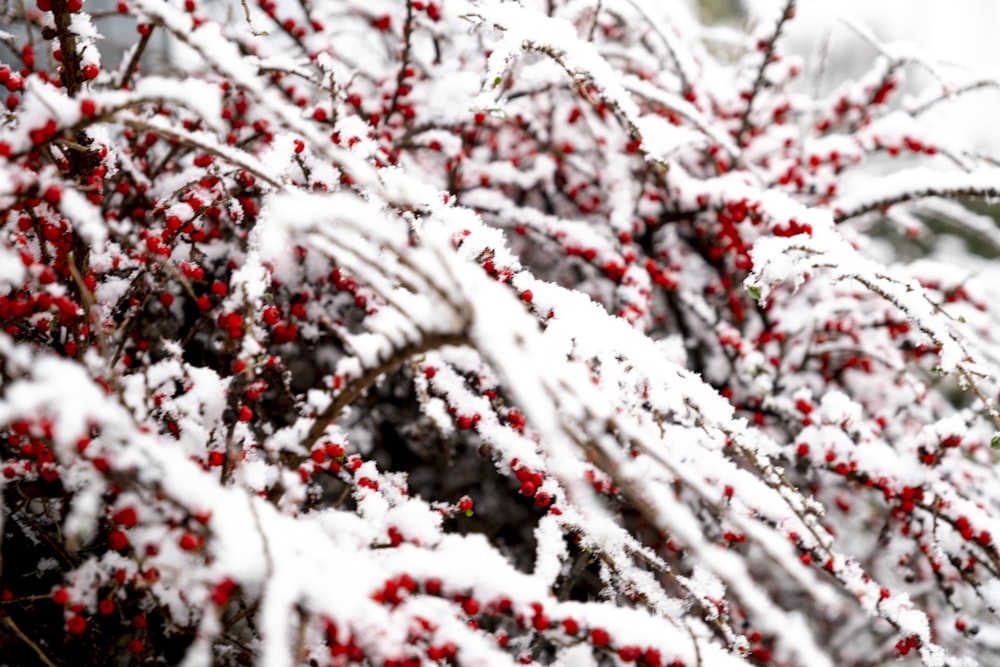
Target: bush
[[475, 333]]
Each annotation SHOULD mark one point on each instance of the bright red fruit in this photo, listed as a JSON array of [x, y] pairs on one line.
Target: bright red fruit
[[76, 625]]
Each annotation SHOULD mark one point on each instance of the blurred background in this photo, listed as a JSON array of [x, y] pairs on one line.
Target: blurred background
[[957, 38]]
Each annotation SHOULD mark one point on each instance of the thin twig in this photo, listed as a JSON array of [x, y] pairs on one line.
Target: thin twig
[[133, 63], [358, 386], [27, 640], [405, 61], [758, 84]]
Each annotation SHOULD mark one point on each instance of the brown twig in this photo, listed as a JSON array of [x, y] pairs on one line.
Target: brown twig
[[786, 15], [133, 63], [405, 60], [359, 385], [27, 640]]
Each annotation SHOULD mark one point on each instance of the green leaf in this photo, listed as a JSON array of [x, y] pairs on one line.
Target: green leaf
[[497, 81], [754, 292], [995, 442]]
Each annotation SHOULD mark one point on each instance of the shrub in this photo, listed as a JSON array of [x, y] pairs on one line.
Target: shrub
[[408, 332]]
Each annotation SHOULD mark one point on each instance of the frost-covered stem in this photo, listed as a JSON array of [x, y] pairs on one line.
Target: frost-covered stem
[[359, 385], [187, 140], [950, 94], [723, 629], [404, 60], [686, 85], [578, 78], [56, 545], [991, 552], [71, 75], [956, 192], [968, 375], [600, 458], [786, 15]]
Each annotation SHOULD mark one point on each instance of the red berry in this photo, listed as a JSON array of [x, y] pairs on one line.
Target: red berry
[[599, 637], [91, 71], [629, 653], [88, 108], [246, 414], [117, 540], [222, 592], [76, 625], [271, 316], [53, 195], [125, 518], [61, 597], [189, 542]]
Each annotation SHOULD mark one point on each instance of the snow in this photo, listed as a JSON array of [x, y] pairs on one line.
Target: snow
[[721, 450], [913, 183]]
